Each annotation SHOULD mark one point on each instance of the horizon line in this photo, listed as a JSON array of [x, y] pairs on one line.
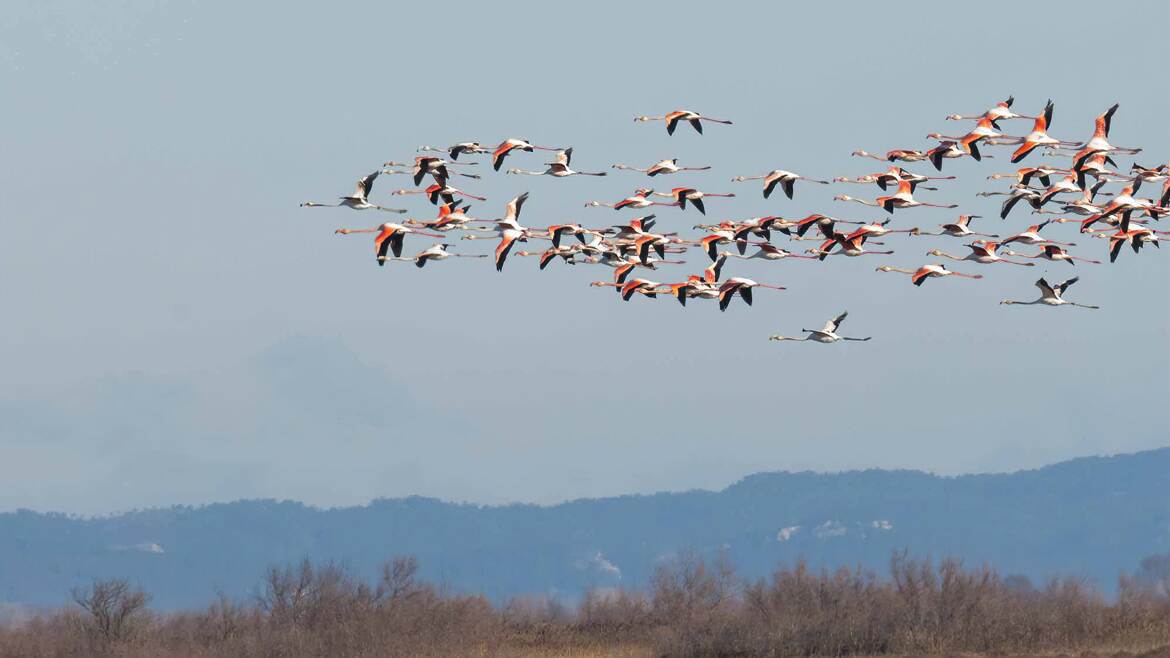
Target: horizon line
[[568, 501]]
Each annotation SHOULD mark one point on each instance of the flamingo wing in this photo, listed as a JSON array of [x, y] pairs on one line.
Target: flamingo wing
[[1022, 152], [789, 186], [1045, 288], [832, 325], [1065, 285], [502, 250], [770, 185], [365, 185], [499, 154]]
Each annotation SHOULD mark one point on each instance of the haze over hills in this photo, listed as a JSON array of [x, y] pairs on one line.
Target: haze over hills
[[1093, 517]]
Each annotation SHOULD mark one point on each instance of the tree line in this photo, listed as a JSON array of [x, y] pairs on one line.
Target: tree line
[[691, 607]]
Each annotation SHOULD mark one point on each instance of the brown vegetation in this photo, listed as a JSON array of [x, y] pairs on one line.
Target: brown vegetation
[[691, 608]]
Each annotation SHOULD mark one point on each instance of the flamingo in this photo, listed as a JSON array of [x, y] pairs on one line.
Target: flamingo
[[960, 228], [982, 252], [785, 179], [1031, 235], [672, 119], [1015, 196], [903, 198], [566, 253], [627, 290], [623, 268], [458, 149], [558, 168], [1024, 175], [557, 231], [1100, 140], [669, 166], [439, 252], [439, 191], [1063, 186], [1051, 295], [823, 222], [692, 287], [710, 244], [948, 150], [450, 218], [983, 130], [633, 228], [877, 229], [638, 200], [1082, 206], [1088, 162], [893, 175], [622, 271], [758, 226], [904, 155], [1053, 252], [1096, 164], [1125, 203], [641, 286], [390, 236], [1150, 174], [1135, 237], [511, 214], [849, 247], [743, 286], [358, 200], [1039, 136], [509, 145], [1001, 110], [508, 229], [436, 167], [683, 194], [768, 252], [827, 334], [925, 272]]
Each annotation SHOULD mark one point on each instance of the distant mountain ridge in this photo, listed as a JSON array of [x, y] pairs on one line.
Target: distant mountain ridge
[[1093, 517]]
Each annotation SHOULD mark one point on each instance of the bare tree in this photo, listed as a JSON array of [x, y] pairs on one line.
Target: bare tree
[[286, 593], [1155, 572], [398, 579], [114, 606]]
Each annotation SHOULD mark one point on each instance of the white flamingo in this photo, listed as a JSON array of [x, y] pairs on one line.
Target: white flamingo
[[827, 334], [1051, 295]]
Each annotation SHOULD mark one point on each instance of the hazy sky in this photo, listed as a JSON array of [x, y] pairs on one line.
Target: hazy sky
[[176, 330]]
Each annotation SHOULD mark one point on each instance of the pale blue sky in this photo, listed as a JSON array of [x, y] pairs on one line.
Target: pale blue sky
[[177, 330]]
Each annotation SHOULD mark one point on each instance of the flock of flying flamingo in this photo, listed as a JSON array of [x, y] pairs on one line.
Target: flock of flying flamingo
[[1074, 192]]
